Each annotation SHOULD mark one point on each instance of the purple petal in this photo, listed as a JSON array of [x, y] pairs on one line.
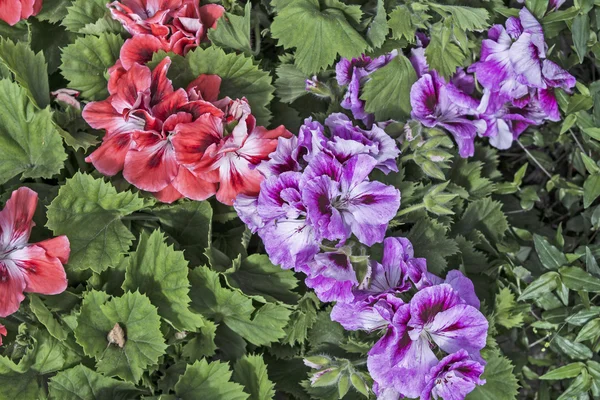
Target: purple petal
[[418, 61], [548, 104], [246, 208], [463, 286], [319, 195], [427, 303], [279, 197], [459, 327], [283, 159], [555, 76], [525, 59], [455, 376], [289, 243]]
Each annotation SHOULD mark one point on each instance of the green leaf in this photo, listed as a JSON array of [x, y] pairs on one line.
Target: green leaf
[[49, 355], [53, 10], [544, 284], [251, 372], [258, 276], [45, 317], [302, 319], [590, 331], [430, 240], [233, 31], [591, 190], [500, 383], [578, 387], [19, 385], [576, 278], [579, 102], [89, 212], [387, 92], [573, 350], [144, 343], [486, 216], [161, 273], [85, 62], [378, 28], [212, 381], [505, 310], [590, 263], [466, 18], [239, 78], [30, 70], [81, 383], [581, 32], [550, 257], [202, 344], [84, 12], [29, 142], [537, 7], [401, 25], [312, 23], [290, 84], [564, 372], [235, 310], [442, 54]]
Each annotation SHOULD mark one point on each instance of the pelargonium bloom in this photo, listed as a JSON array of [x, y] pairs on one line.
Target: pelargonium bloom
[[453, 378], [191, 23], [13, 11], [25, 267], [437, 103], [145, 16]]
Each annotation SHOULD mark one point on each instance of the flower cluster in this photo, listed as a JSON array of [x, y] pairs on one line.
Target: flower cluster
[[316, 195], [518, 84], [179, 143], [25, 267], [13, 11], [420, 313], [170, 25]]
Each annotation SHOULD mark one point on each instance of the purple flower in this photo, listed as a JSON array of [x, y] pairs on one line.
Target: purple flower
[[283, 159], [348, 140], [437, 103], [552, 4], [247, 209], [455, 376], [341, 201]]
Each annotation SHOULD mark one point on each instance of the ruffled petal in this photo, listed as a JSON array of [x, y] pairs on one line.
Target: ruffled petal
[[12, 285], [43, 273], [151, 164], [109, 158], [58, 247], [16, 219]]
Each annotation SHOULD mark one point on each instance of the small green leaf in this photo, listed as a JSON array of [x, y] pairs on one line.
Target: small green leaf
[[251, 372], [202, 344], [81, 383], [466, 18], [486, 216], [579, 386], [45, 317], [591, 190], [550, 257], [378, 28], [387, 92], [401, 25], [590, 263], [430, 240], [581, 33], [564, 372], [233, 31], [544, 284], [590, 331], [210, 381], [442, 54], [573, 350], [89, 212], [576, 278], [302, 319], [537, 7], [505, 310], [290, 84]]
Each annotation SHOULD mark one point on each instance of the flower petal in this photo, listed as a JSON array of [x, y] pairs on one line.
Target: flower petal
[[16, 219], [43, 273], [109, 158]]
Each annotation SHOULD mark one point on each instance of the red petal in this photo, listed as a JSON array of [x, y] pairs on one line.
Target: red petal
[[152, 165], [210, 13], [109, 158], [161, 85], [236, 178], [206, 86], [10, 11], [199, 107], [58, 247], [192, 140], [170, 104], [102, 115], [16, 219], [193, 187], [115, 73], [12, 284], [133, 90], [140, 48], [3, 332], [43, 273], [168, 195]]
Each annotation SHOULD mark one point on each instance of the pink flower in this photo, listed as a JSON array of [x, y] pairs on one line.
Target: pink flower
[[12, 11], [144, 16], [24, 267], [67, 96], [3, 332], [191, 24]]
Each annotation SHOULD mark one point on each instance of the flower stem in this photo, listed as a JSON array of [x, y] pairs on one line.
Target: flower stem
[[535, 160]]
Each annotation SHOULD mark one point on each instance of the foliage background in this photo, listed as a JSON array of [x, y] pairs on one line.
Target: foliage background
[[204, 309]]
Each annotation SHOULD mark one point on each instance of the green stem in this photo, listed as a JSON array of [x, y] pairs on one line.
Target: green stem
[[535, 160]]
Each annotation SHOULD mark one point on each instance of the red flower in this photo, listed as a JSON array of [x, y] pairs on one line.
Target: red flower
[[24, 267], [12, 11], [3, 332], [145, 16], [191, 23]]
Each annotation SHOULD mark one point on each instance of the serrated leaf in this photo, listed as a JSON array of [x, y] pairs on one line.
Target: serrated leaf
[[53, 10], [251, 372], [505, 310], [290, 83], [233, 31], [378, 28], [211, 380], [81, 383], [265, 327], [442, 54], [239, 78], [401, 25], [50, 39], [430, 240], [161, 273], [302, 320], [84, 12], [258, 276], [137, 317], [85, 62], [500, 384], [89, 212], [30, 70], [387, 92], [29, 143], [44, 315], [202, 344], [485, 216], [312, 23], [466, 18]]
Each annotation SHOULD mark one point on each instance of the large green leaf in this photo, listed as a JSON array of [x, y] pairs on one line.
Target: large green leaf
[[387, 92], [138, 318], [239, 78], [466, 18], [233, 31], [312, 23], [30, 70], [29, 142], [85, 62], [89, 212], [251, 372], [160, 272], [208, 382], [443, 55], [83, 13], [81, 383], [290, 84]]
